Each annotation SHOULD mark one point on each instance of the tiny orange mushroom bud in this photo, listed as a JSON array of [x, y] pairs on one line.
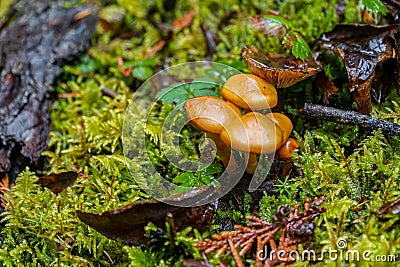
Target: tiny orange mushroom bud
[[249, 91], [210, 113], [285, 152]]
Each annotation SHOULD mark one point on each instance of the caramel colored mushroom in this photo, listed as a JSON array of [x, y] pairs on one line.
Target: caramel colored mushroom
[[224, 152], [284, 123], [253, 133], [249, 91], [210, 113]]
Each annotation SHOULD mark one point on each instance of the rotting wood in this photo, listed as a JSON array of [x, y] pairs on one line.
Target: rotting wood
[[38, 37]]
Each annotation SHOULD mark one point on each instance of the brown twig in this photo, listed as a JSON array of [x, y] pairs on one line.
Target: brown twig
[[108, 92], [351, 117]]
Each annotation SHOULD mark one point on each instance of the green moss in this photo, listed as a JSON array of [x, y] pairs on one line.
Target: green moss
[[42, 228], [4, 6]]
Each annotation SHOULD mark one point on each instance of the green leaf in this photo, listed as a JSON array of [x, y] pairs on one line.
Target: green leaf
[[173, 94], [213, 168], [279, 20], [300, 48], [148, 62], [142, 73], [179, 93], [207, 179], [375, 6], [183, 178]]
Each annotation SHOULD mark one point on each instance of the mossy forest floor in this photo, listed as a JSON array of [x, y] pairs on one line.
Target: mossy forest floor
[[357, 171]]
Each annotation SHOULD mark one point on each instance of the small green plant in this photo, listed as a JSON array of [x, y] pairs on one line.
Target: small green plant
[[293, 39], [141, 69], [375, 6], [179, 93], [200, 178]]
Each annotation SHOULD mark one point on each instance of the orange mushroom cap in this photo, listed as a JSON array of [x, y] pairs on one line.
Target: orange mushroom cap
[[250, 92], [210, 113], [253, 133], [284, 123]]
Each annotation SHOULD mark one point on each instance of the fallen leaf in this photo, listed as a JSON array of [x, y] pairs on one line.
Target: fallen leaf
[[328, 87], [384, 80], [185, 21], [5, 188], [127, 223], [156, 48], [57, 182], [125, 71], [361, 47]]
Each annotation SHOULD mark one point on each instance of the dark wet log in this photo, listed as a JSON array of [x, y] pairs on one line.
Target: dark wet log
[[351, 117], [38, 37]]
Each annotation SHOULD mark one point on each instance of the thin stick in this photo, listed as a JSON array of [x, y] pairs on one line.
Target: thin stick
[[351, 117]]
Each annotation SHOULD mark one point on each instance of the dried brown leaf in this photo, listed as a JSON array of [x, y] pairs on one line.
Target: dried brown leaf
[[361, 47], [127, 223], [328, 87], [57, 182], [5, 188], [185, 21]]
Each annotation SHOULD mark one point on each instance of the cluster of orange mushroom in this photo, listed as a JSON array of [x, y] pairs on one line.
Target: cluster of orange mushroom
[[247, 130]]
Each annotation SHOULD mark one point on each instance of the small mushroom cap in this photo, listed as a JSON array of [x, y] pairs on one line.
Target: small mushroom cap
[[279, 71], [286, 151], [250, 92], [210, 113], [254, 133], [284, 123]]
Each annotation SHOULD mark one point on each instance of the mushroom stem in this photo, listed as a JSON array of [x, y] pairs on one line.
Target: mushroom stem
[[224, 152], [251, 163], [280, 106]]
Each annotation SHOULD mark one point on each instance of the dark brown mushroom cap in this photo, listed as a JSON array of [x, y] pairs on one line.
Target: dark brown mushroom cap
[[210, 113], [252, 133], [281, 71], [250, 92]]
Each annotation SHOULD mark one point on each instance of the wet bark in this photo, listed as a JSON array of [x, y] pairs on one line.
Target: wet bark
[[36, 39]]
